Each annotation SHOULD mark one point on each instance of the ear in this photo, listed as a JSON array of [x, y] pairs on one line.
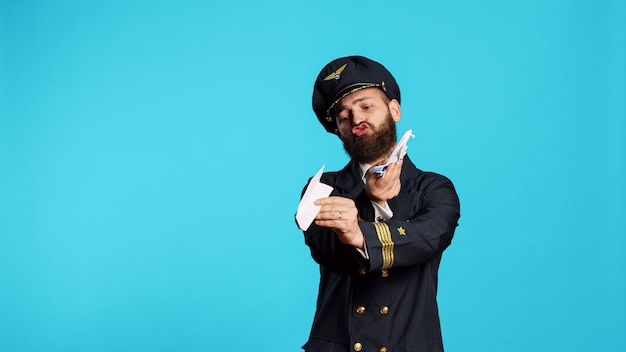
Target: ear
[[394, 108]]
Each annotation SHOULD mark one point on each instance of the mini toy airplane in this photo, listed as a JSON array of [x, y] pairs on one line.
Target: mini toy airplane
[[396, 155]]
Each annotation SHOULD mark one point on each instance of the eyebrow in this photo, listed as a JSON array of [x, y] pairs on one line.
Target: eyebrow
[[345, 106]]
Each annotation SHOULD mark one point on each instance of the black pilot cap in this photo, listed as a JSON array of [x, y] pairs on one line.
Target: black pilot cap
[[344, 76]]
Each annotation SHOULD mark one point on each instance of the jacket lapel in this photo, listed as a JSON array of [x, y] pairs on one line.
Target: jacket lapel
[[405, 205], [350, 184]]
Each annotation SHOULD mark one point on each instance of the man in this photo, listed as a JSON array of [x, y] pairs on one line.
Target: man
[[378, 240]]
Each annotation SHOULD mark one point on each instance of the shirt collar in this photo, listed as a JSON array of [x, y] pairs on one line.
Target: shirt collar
[[364, 167]]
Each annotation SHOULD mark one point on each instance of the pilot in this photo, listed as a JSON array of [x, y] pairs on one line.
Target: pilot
[[378, 240]]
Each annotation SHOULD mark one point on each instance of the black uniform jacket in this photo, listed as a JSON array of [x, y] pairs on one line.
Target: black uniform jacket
[[386, 303]]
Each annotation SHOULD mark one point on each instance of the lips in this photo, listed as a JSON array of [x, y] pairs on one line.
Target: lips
[[360, 130]]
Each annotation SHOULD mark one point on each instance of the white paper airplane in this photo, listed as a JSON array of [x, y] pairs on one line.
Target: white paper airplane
[[314, 191]]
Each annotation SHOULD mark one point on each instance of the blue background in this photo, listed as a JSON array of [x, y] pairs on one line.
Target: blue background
[[152, 155]]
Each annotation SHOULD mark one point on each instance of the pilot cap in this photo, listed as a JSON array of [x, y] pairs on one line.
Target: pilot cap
[[344, 76]]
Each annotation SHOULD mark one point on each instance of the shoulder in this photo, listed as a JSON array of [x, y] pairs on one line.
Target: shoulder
[[432, 188], [344, 179], [329, 177], [416, 178], [432, 178]]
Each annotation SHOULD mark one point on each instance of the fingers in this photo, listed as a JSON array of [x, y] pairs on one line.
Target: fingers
[[334, 201], [341, 215], [331, 215], [335, 220], [393, 170], [391, 173], [381, 189], [335, 210], [336, 214]]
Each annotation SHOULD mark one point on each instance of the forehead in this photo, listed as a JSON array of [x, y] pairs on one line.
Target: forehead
[[359, 95]]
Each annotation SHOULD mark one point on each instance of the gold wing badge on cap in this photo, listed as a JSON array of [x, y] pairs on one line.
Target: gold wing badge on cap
[[336, 74]]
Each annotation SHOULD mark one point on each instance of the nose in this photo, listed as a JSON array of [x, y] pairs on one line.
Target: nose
[[357, 118]]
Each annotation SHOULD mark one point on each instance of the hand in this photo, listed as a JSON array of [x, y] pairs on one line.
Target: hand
[[341, 215], [381, 189]]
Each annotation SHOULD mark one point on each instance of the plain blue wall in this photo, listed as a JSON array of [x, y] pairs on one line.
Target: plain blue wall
[[152, 156]]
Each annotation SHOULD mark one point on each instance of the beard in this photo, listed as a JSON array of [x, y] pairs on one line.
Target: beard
[[370, 148]]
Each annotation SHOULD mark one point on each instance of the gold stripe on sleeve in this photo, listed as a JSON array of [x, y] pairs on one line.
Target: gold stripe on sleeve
[[384, 236]]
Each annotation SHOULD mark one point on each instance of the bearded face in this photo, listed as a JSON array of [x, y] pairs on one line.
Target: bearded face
[[374, 145]]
